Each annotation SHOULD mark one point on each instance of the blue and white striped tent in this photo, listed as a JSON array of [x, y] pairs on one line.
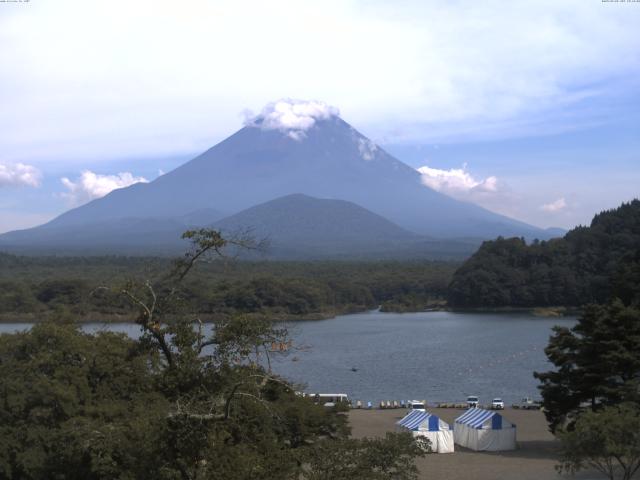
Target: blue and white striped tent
[[425, 424], [480, 429]]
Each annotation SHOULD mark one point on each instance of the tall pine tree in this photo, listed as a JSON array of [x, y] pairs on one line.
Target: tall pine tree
[[598, 363]]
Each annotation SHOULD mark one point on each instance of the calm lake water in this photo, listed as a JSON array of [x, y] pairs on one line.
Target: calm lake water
[[438, 356]]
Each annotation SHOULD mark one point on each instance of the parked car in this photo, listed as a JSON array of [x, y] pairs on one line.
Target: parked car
[[528, 404], [472, 401], [497, 404]]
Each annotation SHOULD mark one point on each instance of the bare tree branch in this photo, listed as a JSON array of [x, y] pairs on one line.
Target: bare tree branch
[[148, 322]]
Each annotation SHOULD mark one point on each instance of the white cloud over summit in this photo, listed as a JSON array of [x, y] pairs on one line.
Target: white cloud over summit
[[292, 116], [86, 83], [92, 185], [20, 175]]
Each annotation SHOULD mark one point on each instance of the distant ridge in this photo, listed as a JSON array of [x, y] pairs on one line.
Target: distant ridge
[[312, 151], [298, 225], [127, 236]]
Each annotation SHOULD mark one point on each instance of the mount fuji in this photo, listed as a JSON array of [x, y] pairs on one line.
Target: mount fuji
[[291, 147]]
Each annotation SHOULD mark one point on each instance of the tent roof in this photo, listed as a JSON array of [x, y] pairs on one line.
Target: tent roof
[[415, 418], [476, 418]]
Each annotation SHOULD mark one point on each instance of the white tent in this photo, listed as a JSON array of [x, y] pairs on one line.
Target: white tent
[[487, 430], [424, 424]]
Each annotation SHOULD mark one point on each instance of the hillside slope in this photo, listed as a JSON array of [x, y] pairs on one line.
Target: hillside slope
[[589, 264], [300, 225]]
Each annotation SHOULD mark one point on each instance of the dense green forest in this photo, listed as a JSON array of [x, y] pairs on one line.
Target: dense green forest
[[174, 404], [35, 288], [589, 265]]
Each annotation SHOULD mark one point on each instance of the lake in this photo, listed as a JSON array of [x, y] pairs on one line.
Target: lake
[[438, 356]]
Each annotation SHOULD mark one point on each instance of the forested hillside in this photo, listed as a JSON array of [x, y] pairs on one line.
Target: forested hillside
[[589, 265], [36, 288]]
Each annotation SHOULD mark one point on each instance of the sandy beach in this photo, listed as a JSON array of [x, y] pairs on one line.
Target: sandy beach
[[535, 458]]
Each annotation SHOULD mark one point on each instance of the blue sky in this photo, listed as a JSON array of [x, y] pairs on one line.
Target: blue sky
[[530, 109]]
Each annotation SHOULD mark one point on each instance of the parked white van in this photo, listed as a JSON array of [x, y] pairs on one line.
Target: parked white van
[[329, 399], [417, 405]]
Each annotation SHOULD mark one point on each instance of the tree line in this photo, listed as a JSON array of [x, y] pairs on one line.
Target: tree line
[[588, 265], [591, 397], [36, 288]]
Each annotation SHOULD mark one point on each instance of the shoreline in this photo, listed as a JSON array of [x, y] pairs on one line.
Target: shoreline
[[555, 311], [94, 317]]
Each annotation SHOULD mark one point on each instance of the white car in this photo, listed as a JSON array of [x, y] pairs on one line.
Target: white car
[[472, 401], [497, 404], [416, 405]]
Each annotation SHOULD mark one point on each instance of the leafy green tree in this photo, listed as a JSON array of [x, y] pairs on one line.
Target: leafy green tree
[[607, 440], [391, 458], [178, 403], [16, 297], [74, 405], [597, 363]]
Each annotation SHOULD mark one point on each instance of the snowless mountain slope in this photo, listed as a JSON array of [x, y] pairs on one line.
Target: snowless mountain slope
[[291, 147]]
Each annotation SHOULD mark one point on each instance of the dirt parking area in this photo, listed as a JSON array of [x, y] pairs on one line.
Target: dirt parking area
[[535, 458]]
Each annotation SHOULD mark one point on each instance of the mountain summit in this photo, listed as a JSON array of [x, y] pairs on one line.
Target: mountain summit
[[291, 147]]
